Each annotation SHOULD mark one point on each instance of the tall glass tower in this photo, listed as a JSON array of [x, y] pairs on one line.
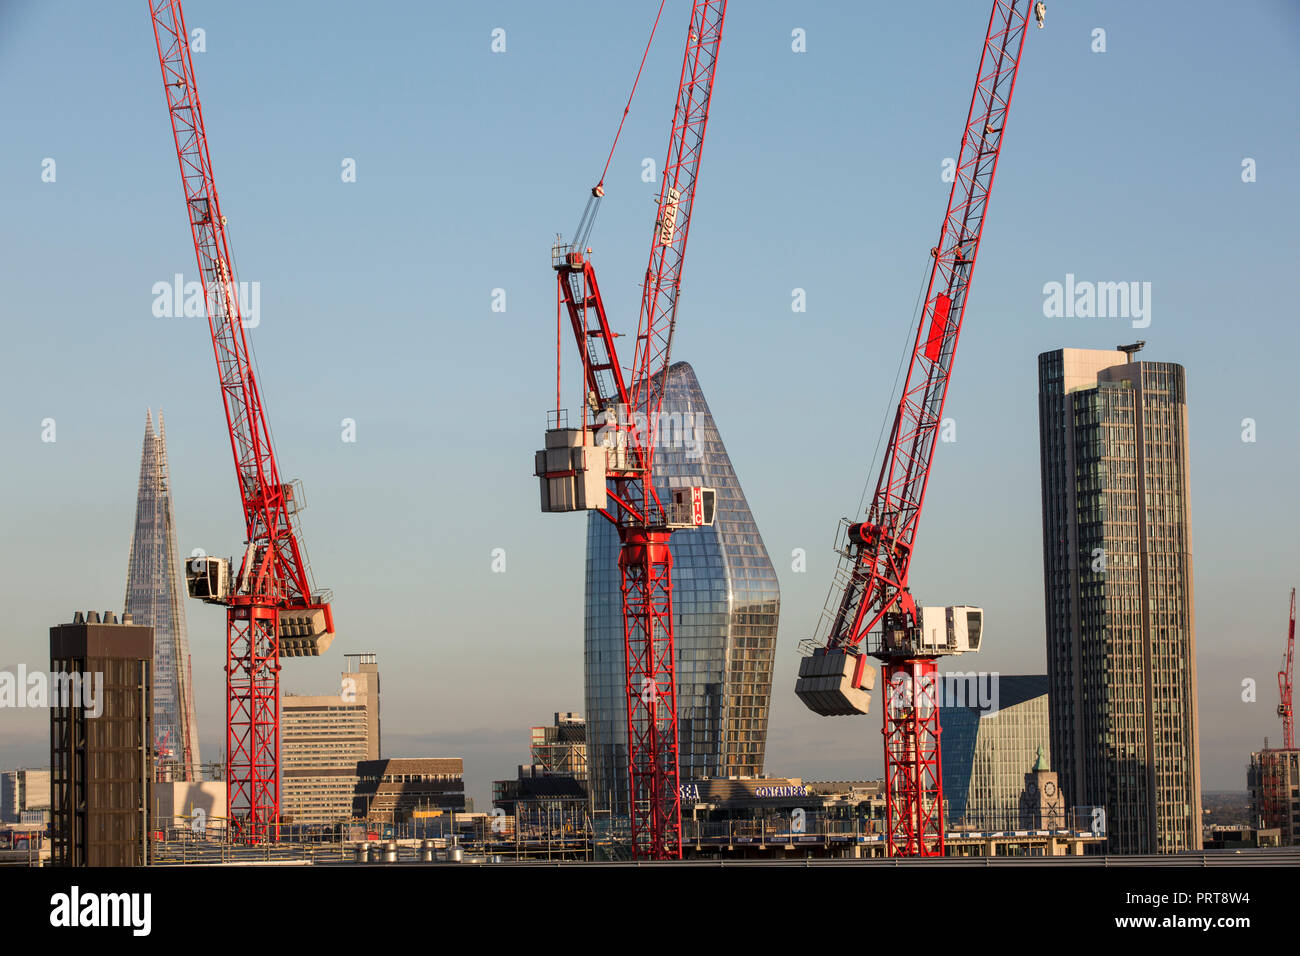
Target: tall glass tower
[[1117, 565], [154, 586], [726, 602]]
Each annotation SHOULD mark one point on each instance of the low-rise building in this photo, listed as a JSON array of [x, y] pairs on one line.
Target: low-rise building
[[393, 790], [561, 748], [198, 807], [24, 792], [1274, 782], [995, 731]]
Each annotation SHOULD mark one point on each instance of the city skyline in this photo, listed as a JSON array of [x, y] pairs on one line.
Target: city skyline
[[431, 536]]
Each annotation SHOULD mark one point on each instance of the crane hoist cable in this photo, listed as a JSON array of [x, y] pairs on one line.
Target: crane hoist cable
[[588, 220], [886, 417]]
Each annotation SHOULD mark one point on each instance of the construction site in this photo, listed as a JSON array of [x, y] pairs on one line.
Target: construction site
[[599, 459]]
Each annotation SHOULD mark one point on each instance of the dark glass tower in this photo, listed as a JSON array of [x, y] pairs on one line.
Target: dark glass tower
[[1117, 564], [986, 753], [154, 586], [726, 602]]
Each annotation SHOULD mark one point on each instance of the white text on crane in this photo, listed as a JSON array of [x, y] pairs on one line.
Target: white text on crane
[[668, 221]]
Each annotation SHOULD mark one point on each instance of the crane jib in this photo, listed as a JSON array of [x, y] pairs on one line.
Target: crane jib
[[870, 609], [607, 470]]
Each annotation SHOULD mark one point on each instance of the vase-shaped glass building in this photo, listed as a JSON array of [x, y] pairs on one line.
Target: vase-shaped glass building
[[154, 589], [726, 602]]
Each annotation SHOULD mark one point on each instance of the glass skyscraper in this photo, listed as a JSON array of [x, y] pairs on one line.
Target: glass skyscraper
[[726, 602], [1117, 565], [987, 752], [154, 585]]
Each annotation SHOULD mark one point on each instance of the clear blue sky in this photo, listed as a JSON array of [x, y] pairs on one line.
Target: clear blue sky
[[821, 172]]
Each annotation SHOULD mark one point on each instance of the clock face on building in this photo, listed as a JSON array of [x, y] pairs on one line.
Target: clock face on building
[[1049, 789]]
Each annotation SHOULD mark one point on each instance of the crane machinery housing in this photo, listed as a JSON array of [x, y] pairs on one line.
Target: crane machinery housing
[[273, 610], [871, 610], [604, 463]]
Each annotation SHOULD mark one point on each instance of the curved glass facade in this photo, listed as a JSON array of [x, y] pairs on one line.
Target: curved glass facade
[[726, 602]]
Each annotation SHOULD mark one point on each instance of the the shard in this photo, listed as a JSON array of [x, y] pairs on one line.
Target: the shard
[[154, 589]]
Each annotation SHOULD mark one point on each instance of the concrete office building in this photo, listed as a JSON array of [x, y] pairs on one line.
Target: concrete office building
[[987, 752], [101, 742], [726, 602], [322, 739], [1117, 568]]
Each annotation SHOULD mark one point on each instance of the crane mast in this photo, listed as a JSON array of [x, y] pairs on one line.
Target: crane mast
[[871, 611], [605, 463], [272, 608], [1284, 680]]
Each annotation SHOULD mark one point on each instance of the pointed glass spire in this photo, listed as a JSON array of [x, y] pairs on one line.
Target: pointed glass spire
[[154, 587]]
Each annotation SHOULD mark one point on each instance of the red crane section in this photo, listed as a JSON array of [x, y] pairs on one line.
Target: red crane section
[[871, 607], [615, 443], [1284, 678], [271, 593]]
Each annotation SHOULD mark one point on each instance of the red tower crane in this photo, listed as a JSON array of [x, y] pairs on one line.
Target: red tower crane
[[606, 462], [871, 607], [1284, 677], [272, 608]]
